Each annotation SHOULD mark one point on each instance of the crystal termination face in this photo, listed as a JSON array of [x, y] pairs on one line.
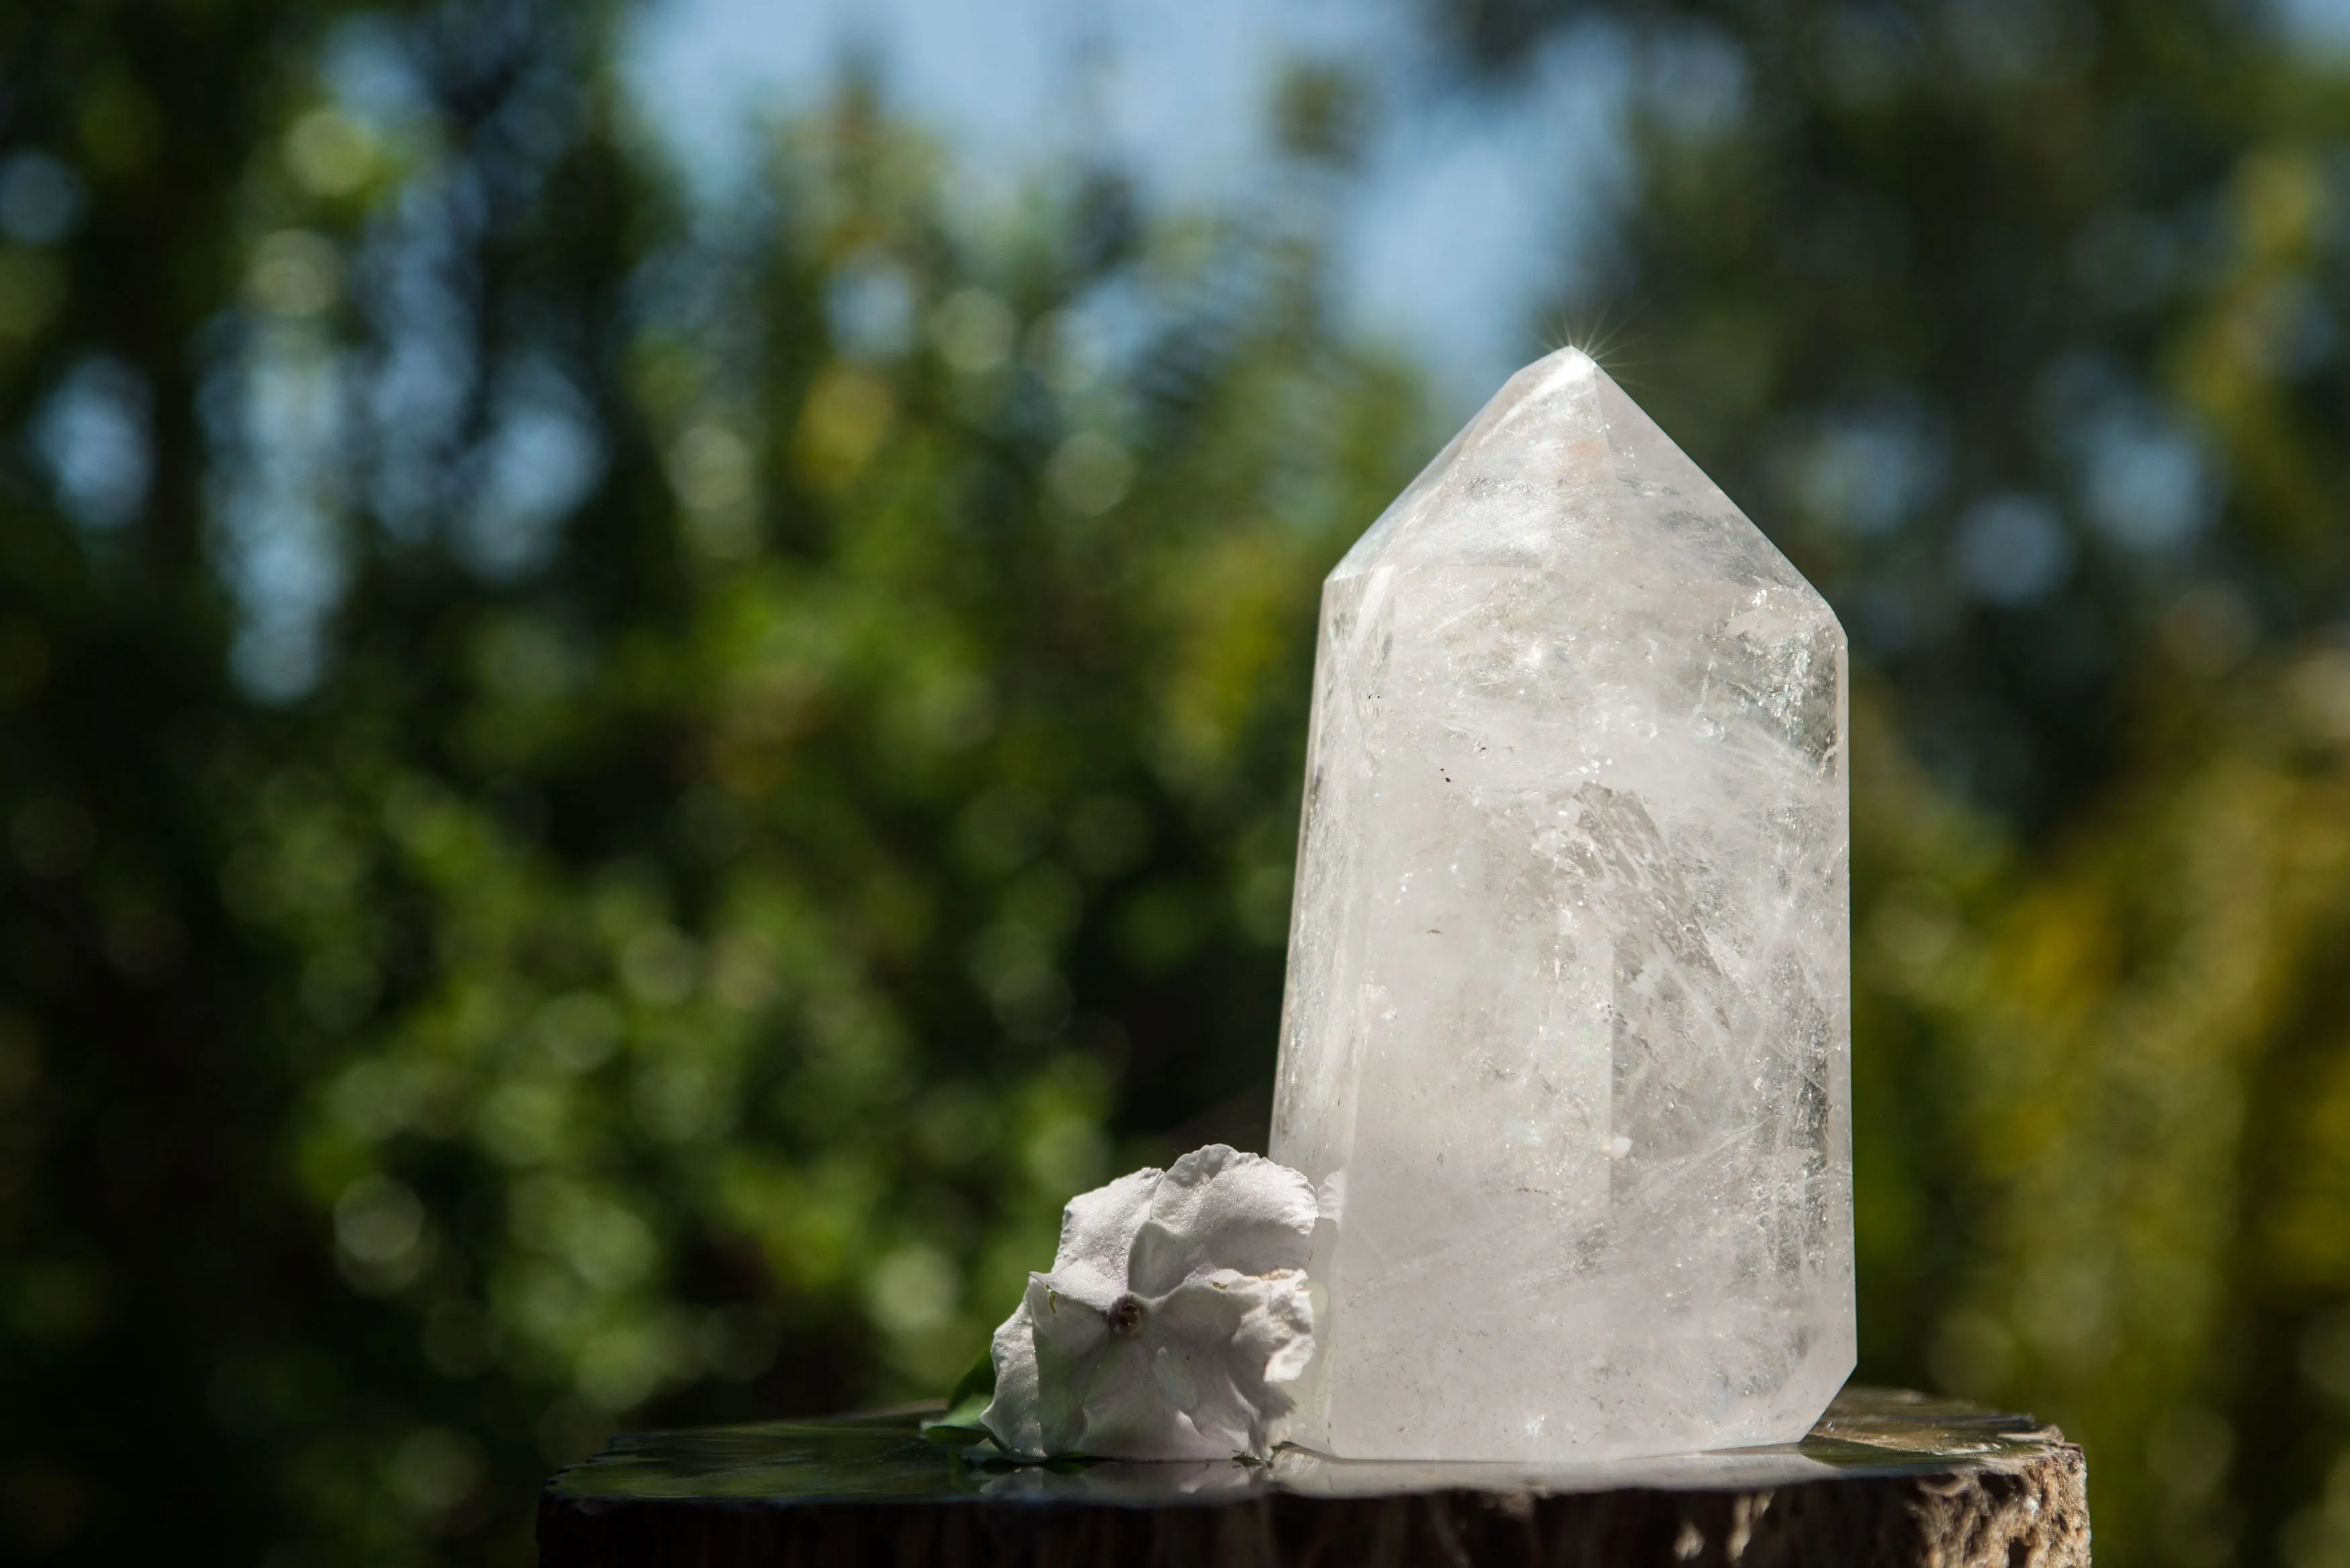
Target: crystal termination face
[[1566, 1043]]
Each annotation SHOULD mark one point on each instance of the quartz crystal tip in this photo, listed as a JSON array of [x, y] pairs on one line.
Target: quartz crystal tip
[[1568, 1021]]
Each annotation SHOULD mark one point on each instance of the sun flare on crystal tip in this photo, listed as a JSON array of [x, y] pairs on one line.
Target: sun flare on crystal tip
[[1567, 1035]]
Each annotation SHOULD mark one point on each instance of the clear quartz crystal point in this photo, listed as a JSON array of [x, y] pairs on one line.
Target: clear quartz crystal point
[[1567, 1046]]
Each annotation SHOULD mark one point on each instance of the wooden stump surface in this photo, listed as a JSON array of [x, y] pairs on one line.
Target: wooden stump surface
[[1886, 1480]]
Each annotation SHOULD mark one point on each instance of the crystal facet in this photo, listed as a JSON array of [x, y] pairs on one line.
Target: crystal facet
[[1567, 1046]]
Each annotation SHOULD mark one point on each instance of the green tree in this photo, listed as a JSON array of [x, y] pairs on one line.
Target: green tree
[[615, 802]]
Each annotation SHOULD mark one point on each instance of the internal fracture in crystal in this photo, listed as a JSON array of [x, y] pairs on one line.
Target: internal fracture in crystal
[[1567, 1046]]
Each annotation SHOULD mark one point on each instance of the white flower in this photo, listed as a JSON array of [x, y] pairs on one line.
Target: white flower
[[1174, 1318]]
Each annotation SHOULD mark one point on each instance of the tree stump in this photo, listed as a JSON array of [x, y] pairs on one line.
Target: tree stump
[[1886, 1480]]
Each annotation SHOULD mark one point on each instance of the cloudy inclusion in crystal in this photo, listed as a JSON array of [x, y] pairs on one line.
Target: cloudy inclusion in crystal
[[1567, 1046]]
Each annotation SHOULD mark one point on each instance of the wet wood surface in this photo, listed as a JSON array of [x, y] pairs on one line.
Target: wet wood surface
[[1885, 1478]]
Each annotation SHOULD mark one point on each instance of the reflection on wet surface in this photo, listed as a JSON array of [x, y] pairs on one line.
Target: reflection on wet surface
[[884, 1458]]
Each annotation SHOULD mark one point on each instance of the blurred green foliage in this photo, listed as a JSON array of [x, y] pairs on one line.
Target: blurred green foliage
[[610, 798], [612, 804]]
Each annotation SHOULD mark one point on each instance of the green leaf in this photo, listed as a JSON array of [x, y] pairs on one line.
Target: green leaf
[[958, 1423]]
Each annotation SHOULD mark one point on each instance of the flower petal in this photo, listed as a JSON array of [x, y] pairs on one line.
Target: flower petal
[[1098, 1237], [1095, 1362], [1231, 1342], [1011, 1415], [1217, 1208], [1125, 1414], [1278, 1330]]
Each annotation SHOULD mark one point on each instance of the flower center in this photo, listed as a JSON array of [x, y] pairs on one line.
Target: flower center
[[1125, 1315]]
